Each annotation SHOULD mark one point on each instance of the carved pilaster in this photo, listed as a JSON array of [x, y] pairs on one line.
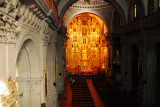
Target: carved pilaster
[[44, 34]]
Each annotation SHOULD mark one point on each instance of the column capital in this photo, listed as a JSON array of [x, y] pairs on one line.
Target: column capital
[[45, 34], [9, 28], [45, 39]]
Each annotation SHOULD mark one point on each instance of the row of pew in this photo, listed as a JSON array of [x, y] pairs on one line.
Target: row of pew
[[81, 96], [111, 94]]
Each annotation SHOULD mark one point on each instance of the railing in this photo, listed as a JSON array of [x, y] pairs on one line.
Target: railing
[[147, 21]]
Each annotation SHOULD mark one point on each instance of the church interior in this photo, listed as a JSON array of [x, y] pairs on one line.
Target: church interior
[[79, 53]]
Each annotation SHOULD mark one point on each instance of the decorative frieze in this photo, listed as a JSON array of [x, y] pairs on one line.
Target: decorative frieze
[[14, 14], [9, 28]]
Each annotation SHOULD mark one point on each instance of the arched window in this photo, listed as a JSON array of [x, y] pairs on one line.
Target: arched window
[[135, 11]]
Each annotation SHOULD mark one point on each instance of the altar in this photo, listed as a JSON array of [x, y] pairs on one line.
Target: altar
[[86, 71]]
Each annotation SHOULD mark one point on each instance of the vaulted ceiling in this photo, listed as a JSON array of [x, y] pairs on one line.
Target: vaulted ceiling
[[122, 6]]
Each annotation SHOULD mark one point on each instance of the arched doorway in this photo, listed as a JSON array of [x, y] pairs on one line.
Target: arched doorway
[[28, 76], [88, 51]]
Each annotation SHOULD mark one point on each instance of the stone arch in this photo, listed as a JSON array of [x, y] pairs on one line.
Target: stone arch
[[30, 52], [87, 11], [28, 75], [114, 3]]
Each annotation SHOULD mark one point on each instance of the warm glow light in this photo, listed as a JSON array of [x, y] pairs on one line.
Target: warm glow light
[[87, 46], [3, 91], [135, 11]]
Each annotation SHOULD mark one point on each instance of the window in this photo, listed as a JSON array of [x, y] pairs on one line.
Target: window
[[135, 11]]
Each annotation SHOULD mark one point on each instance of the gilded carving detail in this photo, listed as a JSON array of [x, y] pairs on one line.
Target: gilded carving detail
[[12, 95], [87, 46]]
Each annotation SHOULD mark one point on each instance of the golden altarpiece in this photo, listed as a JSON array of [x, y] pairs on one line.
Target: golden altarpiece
[[87, 47]]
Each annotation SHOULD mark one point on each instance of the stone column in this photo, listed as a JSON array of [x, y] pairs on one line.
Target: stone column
[[51, 64], [44, 40], [60, 42], [150, 71], [145, 68], [123, 62]]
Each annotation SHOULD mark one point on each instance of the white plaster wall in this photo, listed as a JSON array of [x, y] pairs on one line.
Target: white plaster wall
[[23, 64], [7, 61], [35, 93], [34, 61], [11, 60], [24, 90]]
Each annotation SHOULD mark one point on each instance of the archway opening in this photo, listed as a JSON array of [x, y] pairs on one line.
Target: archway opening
[[28, 76], [88, 49]]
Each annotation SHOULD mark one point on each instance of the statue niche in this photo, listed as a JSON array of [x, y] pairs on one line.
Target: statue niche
[[84, 31]]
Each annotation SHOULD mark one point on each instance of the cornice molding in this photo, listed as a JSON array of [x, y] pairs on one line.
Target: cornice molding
[[48, 12]]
